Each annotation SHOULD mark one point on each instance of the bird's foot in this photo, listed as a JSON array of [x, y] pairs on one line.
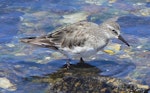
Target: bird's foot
[[81, 60], [68, 65]]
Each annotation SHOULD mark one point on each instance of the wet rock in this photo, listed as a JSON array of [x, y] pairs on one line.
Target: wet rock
[[85, 78], [6, 84]]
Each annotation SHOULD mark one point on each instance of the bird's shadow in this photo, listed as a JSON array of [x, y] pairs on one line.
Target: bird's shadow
[[102, 67], [113, 68], [96, 68], [99, 67]]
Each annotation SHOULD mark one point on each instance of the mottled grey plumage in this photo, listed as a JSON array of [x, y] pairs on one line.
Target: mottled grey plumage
[[81, 39]]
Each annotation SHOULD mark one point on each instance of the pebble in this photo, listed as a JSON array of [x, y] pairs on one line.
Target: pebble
[[143, 86], [145, 12], [6, 84], [109, 52], [112, 1], [96, 2], [27, 24], [47, 58], [73, 18], [56, 55], [139, 47], [112, 48], [19, 54], [125, 56], [10, 45]]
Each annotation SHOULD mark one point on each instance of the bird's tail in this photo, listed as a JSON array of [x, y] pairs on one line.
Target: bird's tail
[[28, 40], [38, 41]]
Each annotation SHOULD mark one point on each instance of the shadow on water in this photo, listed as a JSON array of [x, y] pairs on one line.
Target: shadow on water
[[106, 68], [114, 68]]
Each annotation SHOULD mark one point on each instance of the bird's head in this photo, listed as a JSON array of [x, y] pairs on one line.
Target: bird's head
[[113, 30]]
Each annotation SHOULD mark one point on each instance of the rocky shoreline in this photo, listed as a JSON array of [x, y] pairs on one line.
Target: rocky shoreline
[[84, 78]]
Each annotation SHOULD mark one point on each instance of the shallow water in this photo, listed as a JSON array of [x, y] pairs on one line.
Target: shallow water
[[37, 17]]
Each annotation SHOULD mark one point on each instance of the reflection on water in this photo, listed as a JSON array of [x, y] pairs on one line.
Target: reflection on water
[[37, 17]]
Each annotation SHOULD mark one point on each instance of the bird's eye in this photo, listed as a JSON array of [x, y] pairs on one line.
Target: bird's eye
[[114, 31]]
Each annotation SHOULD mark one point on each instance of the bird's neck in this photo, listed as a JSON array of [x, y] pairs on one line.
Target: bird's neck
[[104, 29]]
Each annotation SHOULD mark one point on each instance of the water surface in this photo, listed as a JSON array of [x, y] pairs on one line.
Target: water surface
[[37, 17]]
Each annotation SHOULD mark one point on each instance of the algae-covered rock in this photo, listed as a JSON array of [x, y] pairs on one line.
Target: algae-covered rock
[[85, 78]]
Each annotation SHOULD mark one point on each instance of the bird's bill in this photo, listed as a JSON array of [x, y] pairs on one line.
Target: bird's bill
[[123, 40]]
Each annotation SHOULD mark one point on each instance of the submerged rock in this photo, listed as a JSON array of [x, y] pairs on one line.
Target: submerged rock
[[112, 48], [73, 18], [6, 84], [145, 12], [96, 2]]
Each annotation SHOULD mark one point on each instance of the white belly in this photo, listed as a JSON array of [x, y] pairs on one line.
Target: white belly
[[78, 52]]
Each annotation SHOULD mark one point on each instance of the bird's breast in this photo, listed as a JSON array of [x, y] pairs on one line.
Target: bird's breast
[[101, 44], [77, 51]]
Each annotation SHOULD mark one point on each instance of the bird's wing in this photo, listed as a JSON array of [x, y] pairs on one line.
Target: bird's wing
[[71, 35], [68, 36], [39, 41]]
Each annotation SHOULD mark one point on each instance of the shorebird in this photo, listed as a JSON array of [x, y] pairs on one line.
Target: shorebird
[[81, 39]]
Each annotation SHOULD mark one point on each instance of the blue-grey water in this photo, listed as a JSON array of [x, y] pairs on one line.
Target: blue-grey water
[[25, 18]]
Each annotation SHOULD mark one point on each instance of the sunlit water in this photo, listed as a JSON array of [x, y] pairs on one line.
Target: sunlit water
[[37, 17]]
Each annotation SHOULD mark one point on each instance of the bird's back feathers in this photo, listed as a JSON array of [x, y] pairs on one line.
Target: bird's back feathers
[[68, 36]]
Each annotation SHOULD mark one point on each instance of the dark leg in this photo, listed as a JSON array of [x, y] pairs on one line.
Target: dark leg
[[81, 60], [68, 64]]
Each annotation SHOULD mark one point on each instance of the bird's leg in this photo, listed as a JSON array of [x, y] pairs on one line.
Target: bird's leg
[[81, 60], [68, 63]]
